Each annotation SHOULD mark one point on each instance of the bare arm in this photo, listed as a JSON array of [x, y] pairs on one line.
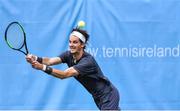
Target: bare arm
[[51, 61], [45, 60], [55, 72], [64, 74]]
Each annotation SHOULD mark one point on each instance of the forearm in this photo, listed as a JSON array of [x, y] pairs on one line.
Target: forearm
[[54, 72], [46, 61], [39, 64], [59, 73], [49, 61]]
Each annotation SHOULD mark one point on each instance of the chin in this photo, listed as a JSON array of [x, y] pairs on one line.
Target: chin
[[73, 52]]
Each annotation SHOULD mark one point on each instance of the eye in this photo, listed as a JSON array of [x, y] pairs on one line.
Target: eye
[[75, 42]]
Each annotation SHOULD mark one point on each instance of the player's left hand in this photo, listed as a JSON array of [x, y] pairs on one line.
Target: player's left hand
[[37, 65], [30, 58]]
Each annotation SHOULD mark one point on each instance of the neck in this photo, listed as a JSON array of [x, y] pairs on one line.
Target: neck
[[78, 55]]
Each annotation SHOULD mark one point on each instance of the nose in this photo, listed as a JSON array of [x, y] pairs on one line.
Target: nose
[[70, 44]]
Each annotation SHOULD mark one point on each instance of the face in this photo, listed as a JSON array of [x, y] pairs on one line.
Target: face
[[75, 45]]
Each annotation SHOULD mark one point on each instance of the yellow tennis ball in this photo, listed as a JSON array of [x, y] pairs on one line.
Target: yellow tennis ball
[[81, 24]]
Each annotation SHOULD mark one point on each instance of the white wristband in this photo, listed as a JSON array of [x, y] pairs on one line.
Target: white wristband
[[44, 67], [36, 58]]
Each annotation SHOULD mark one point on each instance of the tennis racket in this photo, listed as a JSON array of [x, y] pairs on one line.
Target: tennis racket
[[15, 37]]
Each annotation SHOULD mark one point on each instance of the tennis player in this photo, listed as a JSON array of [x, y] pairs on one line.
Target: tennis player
[[83, 67]]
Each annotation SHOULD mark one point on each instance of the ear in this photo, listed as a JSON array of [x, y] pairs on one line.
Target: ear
[[82, 45]]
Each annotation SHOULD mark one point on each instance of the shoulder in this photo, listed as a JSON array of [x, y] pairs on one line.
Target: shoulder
[[88, 59], [88, 55], [66, 53], [65, 56], [86, 65]]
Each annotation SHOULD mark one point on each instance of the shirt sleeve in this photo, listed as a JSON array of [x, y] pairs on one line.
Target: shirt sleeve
[[64, 57], [86, 66]]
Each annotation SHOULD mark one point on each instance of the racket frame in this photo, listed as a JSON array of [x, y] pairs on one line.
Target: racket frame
[[24, 35]]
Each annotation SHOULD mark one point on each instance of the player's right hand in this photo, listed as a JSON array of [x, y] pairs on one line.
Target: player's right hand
[[30, 58]]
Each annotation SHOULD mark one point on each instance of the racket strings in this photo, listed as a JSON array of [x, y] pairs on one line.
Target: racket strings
[[15, 36]]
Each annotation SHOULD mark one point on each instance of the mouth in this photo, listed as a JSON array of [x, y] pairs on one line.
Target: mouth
[[72, 48]]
